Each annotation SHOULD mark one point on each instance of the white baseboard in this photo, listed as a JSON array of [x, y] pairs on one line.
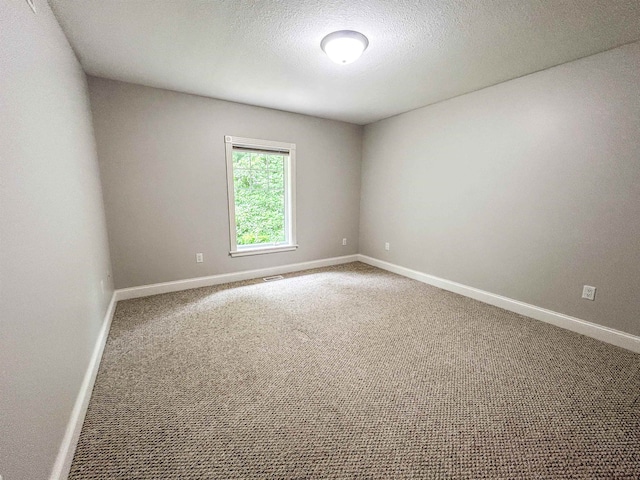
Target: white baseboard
[[63, 461], [178, 285], [593, 330], [67, 449]]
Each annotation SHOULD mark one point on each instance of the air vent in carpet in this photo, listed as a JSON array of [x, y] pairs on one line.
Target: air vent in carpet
[[272, 278]]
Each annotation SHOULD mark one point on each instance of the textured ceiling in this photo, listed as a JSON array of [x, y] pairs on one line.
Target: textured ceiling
[[268, 53]]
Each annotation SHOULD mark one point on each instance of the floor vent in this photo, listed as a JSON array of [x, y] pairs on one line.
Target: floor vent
[[272, 278]]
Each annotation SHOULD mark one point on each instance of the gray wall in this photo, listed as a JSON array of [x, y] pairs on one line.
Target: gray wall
[[162, 159], [53, 243], [528, 189]]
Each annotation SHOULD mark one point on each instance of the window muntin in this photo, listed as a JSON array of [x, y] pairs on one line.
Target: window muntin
[[261, 187]]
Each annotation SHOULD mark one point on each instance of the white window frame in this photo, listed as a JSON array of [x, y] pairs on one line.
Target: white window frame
[[289, 195]]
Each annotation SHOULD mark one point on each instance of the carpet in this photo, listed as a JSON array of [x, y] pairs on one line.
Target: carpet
[[353, 372]]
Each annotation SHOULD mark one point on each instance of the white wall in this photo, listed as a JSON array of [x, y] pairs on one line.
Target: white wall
[[53, 243], [162, 158], [528, 189]]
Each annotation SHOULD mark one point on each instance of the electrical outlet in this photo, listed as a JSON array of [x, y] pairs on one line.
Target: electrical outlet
[[199, 258], [344, 241], [387, 246], [589, 292]]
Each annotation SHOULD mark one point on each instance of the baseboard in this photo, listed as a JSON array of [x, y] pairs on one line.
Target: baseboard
[[63, 461], [178, 285], [67, 449], [593, 330]]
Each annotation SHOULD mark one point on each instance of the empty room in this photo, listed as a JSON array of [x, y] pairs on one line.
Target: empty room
[[273, 239]]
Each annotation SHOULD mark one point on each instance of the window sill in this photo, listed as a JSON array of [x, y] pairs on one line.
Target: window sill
[[260, 250]]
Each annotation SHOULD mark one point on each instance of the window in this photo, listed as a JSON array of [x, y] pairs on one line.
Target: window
[[261, 188]]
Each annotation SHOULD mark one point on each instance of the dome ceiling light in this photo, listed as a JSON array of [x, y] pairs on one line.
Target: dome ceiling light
[[344, 46]]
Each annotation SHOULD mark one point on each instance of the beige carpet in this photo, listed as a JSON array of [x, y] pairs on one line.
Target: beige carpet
[[353, 372]]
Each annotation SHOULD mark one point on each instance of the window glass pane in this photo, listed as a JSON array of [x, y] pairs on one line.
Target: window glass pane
[[259, 189], [241, 160]]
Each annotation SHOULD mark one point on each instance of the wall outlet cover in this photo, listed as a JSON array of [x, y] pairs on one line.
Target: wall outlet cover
[[589, 292]]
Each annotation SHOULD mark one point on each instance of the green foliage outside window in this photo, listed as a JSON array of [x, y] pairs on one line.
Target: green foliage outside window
[[258, 180]]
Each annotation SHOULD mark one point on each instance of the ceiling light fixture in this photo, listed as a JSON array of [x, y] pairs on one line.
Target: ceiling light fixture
[[344, 46]]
